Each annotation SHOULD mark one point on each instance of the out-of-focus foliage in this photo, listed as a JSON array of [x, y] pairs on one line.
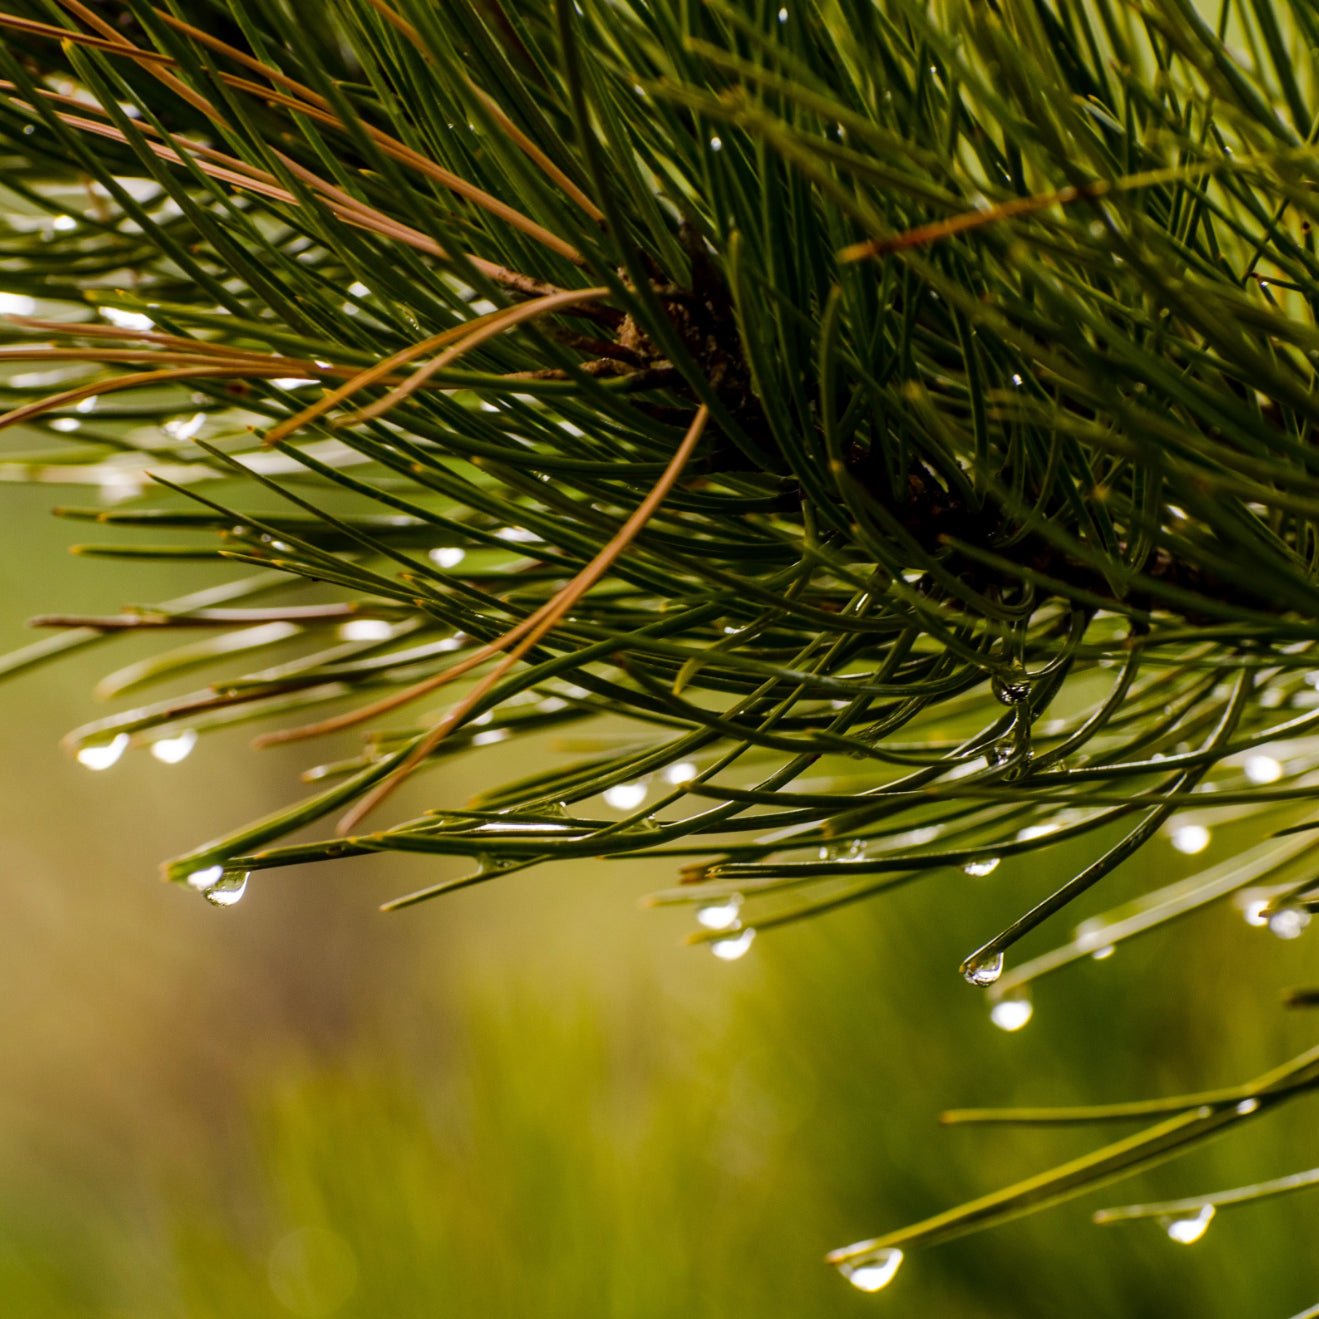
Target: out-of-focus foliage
[[898, 417]]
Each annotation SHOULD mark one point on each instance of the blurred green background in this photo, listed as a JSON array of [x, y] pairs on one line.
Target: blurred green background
[[528, 1098]]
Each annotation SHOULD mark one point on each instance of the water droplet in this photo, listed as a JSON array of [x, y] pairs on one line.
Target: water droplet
[[981, 867], [682, 772], [170, 750], [720, 915], [201, 880], [873, 1272], [1000, 752], [783, 14], [63, 223], [1187, 1229], [982, 969], [1104, 953], [625, 796], [1289, 922], [19, 304], [1190, 838], [730, 949], [449, 556], [1263, 769], [367, 629], [1011, 1013], [1016, 379], [1011, 688], [489, 736], [1247, 1106], [101, 755], [716, 144], [227, 890]]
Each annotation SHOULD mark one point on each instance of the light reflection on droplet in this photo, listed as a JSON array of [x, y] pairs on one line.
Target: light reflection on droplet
[[1247, 1106], [1012, 1013], [65, 424], [720, 915], [684, 771], [625, 796], [981, 867], [366, 629], [1187, 1229], [64, 223], [489, 736], [1263, 769], [204, 879], [730, 949], [873, 1272], [447, 556], [1289, 922], [1190, 838], [171, 750], [716, 144], [104, 754], [982, 970]]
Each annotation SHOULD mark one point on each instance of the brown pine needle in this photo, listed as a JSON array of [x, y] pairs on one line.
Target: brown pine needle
[[478, 332], [544, 620]]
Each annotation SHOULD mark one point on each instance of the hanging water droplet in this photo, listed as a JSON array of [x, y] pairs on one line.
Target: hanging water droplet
[[1187, 1229], [228, 889], [716, 144], [171, 750], [1011, 688], [448, 556], [1190, 838], [1012, 1013], [101, 755], [625, 796], [873, 1272], [684, 771], [1247, 1106], [722, 914], [1289, 922], [1000, 752], [982, 969], [981, 867], [783, 14], [730, 949]]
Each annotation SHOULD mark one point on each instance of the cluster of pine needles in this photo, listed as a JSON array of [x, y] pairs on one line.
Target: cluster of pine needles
[[865, 439]]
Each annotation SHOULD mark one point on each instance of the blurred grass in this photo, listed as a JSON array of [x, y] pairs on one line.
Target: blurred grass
[[528, 1099]]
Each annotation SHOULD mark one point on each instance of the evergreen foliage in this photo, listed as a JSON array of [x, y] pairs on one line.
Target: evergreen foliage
[[894, 419]]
